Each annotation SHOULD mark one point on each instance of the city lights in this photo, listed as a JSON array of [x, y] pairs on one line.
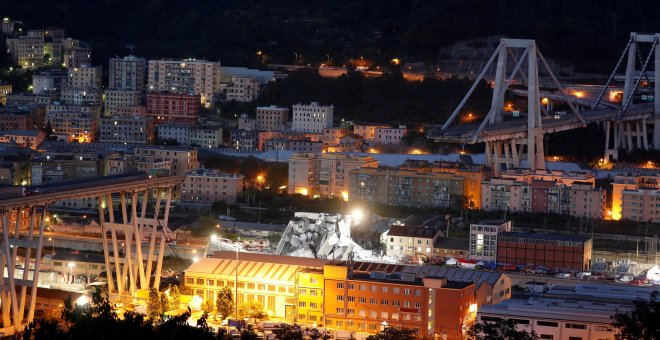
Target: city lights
[[357, 215]]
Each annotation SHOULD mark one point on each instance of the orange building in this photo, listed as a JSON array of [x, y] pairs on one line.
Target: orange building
[[367, 302]]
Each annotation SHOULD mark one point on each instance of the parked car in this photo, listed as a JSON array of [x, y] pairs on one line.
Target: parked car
[[563, 276]]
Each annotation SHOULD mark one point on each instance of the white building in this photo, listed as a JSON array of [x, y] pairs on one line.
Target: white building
[[246, 123], [129, 129], [205, 137], [568, 313], [272, 118], [127, 73], [312, 118], [243, 89], [483, 239], [174, 131], [390, 135], [47, 81], [81, 96], [187, 76]]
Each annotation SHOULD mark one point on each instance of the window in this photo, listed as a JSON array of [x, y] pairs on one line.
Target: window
[[313, 292], [373, 301], [384, 289], [406, 291], [303, 291], [546, 336], [383, 315], [604, 328], [340, 298], [363, 287], [418, 305], [340, 311], [313, 305], [190, 280], [395, 290], [396, 303], [374, 288], [384, 302], [302, 304], [362, 299], [395, 316], [576, 326], [351, 311], [340, 285], [200, 282], [418, 292], [490, 319], [574, 338], [313, 280], [547, 323], [351, 298], [210, 282], [350, 286], [520, 321]]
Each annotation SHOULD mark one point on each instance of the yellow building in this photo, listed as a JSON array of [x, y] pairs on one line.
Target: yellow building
[[634, 187], [310, 296], [268, 279]]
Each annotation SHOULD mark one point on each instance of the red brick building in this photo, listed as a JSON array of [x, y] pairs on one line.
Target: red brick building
[[569, 252], [173, 107]]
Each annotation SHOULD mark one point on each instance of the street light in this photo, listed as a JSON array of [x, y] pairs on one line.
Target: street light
[[214, 237], [52, 240], [71, 265]]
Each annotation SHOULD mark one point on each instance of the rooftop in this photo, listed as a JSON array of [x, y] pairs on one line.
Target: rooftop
[[548, 237], [31, 133], [413, 231], [458, 243]]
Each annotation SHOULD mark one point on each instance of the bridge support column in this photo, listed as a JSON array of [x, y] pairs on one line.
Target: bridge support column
[[17, 310], [132, 270], [510, 159], [656, 99]]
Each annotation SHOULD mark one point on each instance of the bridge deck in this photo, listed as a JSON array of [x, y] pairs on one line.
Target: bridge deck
[[91, 188], [517, 128]]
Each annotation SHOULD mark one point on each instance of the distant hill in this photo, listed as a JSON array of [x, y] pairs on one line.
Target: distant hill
[[588, 33]]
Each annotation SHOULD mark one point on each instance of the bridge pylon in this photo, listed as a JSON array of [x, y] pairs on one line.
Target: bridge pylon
[[622, 132], [129, 264], [507, 151]]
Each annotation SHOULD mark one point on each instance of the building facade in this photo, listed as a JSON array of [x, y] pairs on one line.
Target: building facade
[[483, 239], [210, 186], [312, 117], [173, 107], [271, 118], [86, 77], [127, 73], [74, 122], [402, 240], [188, 76], [184, 160], [124, 98], [406, 188], [567, 252], [390, 135], [128, 129], [243, 89], [206, 137], [326, 175]]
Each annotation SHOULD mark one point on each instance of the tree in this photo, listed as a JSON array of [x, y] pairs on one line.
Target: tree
[[175, 297], [248, 333], [287, 331], [154, 306], [208, 306], [391, 333], [641, 322], [503, 330], [225, 303], [251, 309], [164, 303]]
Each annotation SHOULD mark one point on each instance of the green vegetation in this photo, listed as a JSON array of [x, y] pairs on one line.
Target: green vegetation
[[391, 333], [224, 304], [285, 331], [97, 320], [641, 322], [502, 330]]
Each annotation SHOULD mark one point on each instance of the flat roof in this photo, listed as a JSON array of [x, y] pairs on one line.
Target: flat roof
[[548, 237], [73, 257]]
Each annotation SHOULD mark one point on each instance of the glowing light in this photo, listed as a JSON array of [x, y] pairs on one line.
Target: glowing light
[[357, 215], [344, 196], [396, 61], [71, 264], [302, 191], [214, 237], [195, 259], [545, 101], [578, 94], [82, 300], [473, 308], [372, 150]]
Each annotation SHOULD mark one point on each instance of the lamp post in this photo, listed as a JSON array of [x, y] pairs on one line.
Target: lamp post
[[238, 241], [71, 265]]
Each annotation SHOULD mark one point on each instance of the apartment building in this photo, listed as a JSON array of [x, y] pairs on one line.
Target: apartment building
[[187, 76], [48, 81], [407, 187], [271, 118], [153, 165], [17, 119], [322, 174], [27, 50], [635, 197], [566, 178], [389, 135], [368, 130], [411, 241], [483, 239], [81, 96], [206, 185], [244, 140], [84, 77], [173, 107], [76, 54], [243, 89], [74, 122], [23, 138], [127, 129], [205, 137], [184, 160], [332, 135], [246, 123], [127, 73], [587, 201], [312, 117], [178, 132], [120, 98], [472, 174]]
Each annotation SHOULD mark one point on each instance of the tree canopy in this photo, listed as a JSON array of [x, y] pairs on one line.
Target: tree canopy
[[642, 322], [502, 330]]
